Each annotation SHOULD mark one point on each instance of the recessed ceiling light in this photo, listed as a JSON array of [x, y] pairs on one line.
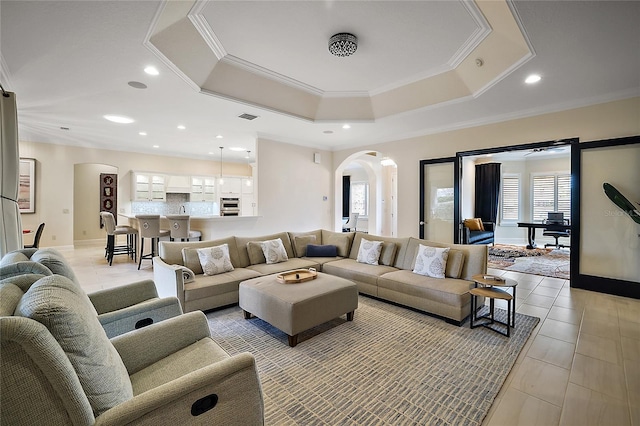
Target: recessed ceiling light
[[210, 153], [219, 137], [181, 127], [235, 148], [346, 126], [142, 133], [151, 70], [119, 119], [533, 78], [156, 146]]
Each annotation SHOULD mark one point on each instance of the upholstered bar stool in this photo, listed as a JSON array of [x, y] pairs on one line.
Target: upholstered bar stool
[[180, 228], [112, 234], [149, 227]]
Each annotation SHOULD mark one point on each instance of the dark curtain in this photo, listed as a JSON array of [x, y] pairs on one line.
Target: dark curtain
[[487, 191], [346, 195]]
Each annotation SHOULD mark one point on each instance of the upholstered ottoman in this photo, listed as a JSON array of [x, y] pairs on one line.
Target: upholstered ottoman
[[293, 308]]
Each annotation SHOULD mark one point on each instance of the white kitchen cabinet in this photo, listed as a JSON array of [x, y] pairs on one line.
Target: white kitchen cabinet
[[179, 184], [203, 188], [149, 187], [247, 186], [248, 205], [230, 186]]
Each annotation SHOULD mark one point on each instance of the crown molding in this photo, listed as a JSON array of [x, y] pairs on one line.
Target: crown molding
[[474, 40], [204, 29]]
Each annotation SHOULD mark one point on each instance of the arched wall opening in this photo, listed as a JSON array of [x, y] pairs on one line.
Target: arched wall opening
[[382, 218]]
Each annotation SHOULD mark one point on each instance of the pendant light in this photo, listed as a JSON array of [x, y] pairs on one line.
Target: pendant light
[[221, 180]]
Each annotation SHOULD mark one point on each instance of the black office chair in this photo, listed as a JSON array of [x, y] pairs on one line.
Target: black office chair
[[36, 239], [556, 231]]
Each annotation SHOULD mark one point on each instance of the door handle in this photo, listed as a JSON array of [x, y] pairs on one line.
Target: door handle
[[422, 222]]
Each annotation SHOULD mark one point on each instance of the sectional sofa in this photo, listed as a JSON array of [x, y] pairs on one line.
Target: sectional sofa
[[178, 272]]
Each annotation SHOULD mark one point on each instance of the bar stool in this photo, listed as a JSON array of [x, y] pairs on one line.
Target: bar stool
[[180, 227], [149, 227], [112, 233]]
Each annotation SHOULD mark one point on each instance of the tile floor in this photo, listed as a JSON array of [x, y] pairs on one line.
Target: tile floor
[[581, 365]]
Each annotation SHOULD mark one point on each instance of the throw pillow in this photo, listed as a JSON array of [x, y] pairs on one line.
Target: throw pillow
[[256, 255], [215, 260], [474, 224], [321, 251], [61, 306], [274, 251], [191, 260], [369, 252], [455, 262], [431, 261], [301, 242]]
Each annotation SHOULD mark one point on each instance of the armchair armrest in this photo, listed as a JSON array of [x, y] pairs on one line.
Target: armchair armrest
[[169, 279], [466, 235], [155, 342], [140, 315], [489, 226], [231, 386], [123, 296]]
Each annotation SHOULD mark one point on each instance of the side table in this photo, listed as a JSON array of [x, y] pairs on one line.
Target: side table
[[490, 281], [492, 294]]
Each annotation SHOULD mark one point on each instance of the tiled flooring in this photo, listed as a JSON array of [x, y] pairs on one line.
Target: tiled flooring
[[581, 366]]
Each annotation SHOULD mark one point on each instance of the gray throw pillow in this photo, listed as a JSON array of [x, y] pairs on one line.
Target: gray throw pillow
[[300, 243], [62, 307]]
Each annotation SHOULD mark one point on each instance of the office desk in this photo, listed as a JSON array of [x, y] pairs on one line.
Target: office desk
[[531, 230]]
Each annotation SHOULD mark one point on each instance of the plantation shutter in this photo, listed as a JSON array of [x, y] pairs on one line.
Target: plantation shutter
[[543, 196], [564, 195], [510, 198]]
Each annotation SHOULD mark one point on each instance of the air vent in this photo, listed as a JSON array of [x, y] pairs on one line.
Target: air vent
[[248, 116]]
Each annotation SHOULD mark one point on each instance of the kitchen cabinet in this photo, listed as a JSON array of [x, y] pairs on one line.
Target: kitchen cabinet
[[179, 184], [248, 205], [149, 187], [230, 186], [203, 188]]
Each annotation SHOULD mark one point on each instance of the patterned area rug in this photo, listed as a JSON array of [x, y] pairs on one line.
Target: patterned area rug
[[391, 365], [540, 261]]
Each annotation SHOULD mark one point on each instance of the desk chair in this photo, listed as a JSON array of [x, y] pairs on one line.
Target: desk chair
[[180, 228], [149, 227], [36, 238], [556, 218]]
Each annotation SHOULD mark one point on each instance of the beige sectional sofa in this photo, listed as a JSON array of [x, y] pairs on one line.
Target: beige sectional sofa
[[391, 280]]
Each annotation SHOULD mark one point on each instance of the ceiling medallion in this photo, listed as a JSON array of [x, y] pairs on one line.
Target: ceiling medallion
[[343, 44]]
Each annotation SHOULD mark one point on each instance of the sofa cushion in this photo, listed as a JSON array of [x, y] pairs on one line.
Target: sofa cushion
[[388, 254], [448, 291], [172, 252], [274, 251], [352, 270], [301, 242], [431, 261], [10, 295], [206, 286], [313, 250], [242, 244], [455, 262], [53, 259], [342, 241], [296, 249], [215, 260], [369, 252], [292, 263], [256, 254], [62, 307]]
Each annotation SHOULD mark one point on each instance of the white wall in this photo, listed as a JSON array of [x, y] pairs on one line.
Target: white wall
[[603, 121]]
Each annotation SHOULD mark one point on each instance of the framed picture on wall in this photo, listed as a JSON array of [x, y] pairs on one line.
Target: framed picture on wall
[[27, 187]]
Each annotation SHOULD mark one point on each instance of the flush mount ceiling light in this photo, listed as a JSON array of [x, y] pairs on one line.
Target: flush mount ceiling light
[[343, 44], [142, 133], [219, 137], [346, 126], [181, 127], [237, 149], [533, 78], [119, 119]]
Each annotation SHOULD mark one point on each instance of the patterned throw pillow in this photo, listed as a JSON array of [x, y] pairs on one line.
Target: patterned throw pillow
[[369, 252], [431, 261], [215, 260], [274, 251]]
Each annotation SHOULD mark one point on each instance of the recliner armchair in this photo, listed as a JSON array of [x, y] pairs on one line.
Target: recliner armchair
[[59, 368], [120, 309]]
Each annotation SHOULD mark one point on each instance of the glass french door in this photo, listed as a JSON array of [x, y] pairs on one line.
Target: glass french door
[[438, 204]]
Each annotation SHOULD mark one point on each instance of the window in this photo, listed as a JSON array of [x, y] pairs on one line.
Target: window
[[510, 198], [550, 193], [360, 198]]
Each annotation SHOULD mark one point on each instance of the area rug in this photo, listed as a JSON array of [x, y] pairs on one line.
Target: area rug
[[390, 365], [540, 261]]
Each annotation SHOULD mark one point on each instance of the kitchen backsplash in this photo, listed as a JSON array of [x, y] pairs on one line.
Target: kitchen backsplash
[[174, 205]]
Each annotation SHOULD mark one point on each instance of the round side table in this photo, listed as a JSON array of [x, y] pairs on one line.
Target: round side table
[[491, 281]]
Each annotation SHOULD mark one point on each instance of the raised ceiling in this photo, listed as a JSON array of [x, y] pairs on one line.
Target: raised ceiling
[[69, 63]]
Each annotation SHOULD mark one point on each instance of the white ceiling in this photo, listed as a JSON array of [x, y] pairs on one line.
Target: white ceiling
[[69, 64]]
